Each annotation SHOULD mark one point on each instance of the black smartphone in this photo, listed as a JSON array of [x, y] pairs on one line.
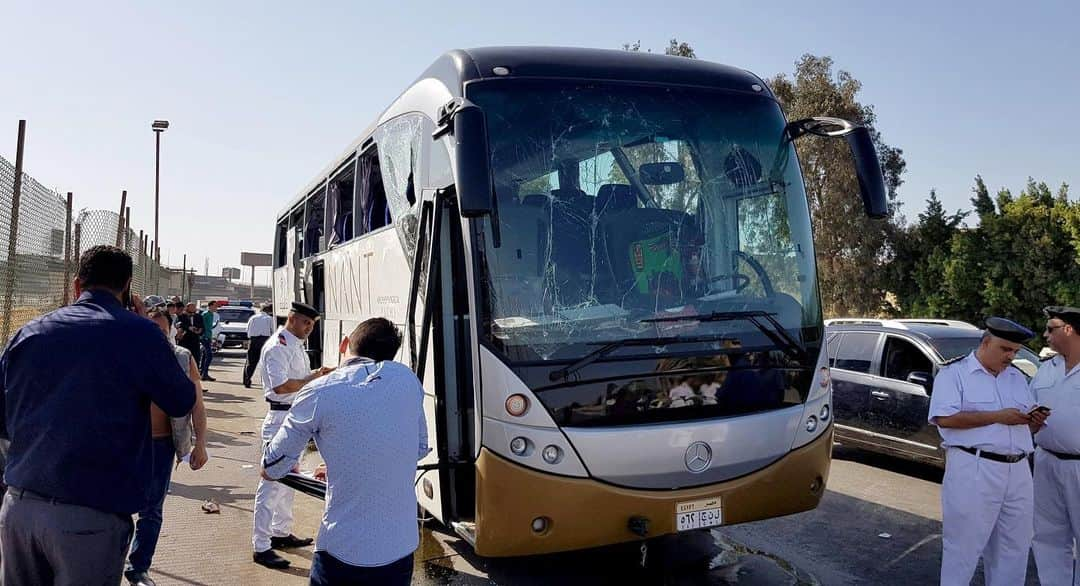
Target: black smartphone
[[127, 298], [1041, 409]]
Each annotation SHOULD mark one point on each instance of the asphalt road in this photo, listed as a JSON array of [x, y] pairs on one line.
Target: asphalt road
[[878, 523]]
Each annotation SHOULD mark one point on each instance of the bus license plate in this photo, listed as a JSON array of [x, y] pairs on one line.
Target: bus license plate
[[698, 514]]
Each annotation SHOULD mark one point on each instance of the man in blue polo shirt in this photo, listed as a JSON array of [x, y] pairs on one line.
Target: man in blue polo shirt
[[77, 385]]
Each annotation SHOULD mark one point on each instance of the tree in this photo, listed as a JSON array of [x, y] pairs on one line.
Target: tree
[[674, 48], [678, 49], [984, 206], [921, 254], [851, 248]]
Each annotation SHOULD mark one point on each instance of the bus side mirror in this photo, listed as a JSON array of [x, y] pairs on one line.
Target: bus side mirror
[[868, 170], [474, 190], [867, 166]]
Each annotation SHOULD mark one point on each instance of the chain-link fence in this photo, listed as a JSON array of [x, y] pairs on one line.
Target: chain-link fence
[[38, 265], [96, 227], [33, 264]]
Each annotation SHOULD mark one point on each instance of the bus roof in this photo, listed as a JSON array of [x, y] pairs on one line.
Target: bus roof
[[460, 66]]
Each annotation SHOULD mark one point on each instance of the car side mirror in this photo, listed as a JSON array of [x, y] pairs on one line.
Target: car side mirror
[[923, 379]]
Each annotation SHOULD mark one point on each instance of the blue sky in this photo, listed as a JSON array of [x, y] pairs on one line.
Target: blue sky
[[262, 94]]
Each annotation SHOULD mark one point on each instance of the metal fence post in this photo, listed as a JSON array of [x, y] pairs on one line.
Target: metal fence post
[[13, 233], [67, 253], [120, 221], [127, 228], [78, 244]]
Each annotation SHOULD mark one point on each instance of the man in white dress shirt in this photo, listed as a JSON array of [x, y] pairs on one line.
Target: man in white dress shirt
[[1057, 459], [259, 329], [980, 404]]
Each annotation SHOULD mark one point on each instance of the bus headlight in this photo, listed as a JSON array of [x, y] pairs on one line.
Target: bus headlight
[[811, 423], [517, 405], [824, 413], [552, 454], [519, 445]]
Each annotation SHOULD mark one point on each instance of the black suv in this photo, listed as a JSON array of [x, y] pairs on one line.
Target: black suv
[[882, 376]]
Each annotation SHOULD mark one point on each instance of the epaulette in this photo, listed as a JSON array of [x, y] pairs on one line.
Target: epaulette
[[954, 360], [1045, 358]]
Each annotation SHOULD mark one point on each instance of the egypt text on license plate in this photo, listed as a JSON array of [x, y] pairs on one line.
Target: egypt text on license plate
[[697, 514]]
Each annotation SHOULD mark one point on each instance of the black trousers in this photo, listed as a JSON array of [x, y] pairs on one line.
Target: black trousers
[[191, 342], [254, 350], [327, 570]]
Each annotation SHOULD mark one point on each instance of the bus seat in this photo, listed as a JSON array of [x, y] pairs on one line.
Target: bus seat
[[572, 201], [613, 197], [644, 247]]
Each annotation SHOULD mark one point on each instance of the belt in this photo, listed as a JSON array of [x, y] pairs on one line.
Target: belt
[[22, 493], [276, 406], [1006, 458], [1062, 455]]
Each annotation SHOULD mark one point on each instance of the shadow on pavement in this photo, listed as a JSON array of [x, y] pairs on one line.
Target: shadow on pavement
[[226, 496], [891, 463]]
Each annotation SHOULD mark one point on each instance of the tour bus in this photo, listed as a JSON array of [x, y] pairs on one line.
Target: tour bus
[[603, 267]]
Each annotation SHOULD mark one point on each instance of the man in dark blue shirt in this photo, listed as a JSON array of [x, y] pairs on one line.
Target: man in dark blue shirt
[[77, 387]]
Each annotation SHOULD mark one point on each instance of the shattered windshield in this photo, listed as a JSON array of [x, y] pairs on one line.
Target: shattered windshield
[[621, 203]]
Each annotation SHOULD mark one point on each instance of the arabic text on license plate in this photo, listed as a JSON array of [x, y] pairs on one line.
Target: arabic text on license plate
[[698, 514]]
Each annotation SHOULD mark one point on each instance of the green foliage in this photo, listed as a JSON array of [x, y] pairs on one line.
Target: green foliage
[[1023, 255]]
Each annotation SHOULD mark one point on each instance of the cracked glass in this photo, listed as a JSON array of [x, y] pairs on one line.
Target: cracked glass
[[620, 203]]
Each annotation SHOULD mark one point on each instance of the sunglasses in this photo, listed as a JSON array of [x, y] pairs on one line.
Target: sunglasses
[[1050, 329]]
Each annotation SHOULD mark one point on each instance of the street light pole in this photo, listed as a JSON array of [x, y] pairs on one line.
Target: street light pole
[[158, 127]]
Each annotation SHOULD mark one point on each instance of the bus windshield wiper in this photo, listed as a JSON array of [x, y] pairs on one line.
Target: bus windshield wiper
[[772, 329], [610, 347]]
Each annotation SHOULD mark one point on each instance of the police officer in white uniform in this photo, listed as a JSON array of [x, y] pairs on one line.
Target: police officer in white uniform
[[1057, 459], [284, 367], [980, 404]]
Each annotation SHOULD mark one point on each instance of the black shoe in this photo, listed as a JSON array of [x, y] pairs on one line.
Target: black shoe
[[247, 384], [270, 559], [290, 541], [139, 579], [209, 378]]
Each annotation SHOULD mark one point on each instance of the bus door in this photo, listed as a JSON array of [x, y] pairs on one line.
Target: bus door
[[318, 301], [441, 356]]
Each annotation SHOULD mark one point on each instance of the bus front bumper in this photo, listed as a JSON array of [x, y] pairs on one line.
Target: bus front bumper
[[582, 513]]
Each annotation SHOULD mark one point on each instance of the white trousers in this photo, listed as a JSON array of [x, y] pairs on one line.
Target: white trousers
[[1057, 519], [273, 500], [986, 511]]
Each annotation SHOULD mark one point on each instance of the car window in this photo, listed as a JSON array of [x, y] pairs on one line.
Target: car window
[[856, 351], [902, 358], [830, 348], [236, 314]]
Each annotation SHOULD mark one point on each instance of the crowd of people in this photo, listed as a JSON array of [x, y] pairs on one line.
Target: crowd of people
[[109, 375]]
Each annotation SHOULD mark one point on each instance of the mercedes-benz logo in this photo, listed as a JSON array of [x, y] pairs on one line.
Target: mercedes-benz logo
[[698, 456]]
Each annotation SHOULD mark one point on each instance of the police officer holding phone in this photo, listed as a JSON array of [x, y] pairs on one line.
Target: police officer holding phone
[[985, 413], [1057, 460]]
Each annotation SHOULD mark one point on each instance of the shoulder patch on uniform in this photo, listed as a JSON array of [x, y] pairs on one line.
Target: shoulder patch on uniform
[[954, 360], [281, 340]]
